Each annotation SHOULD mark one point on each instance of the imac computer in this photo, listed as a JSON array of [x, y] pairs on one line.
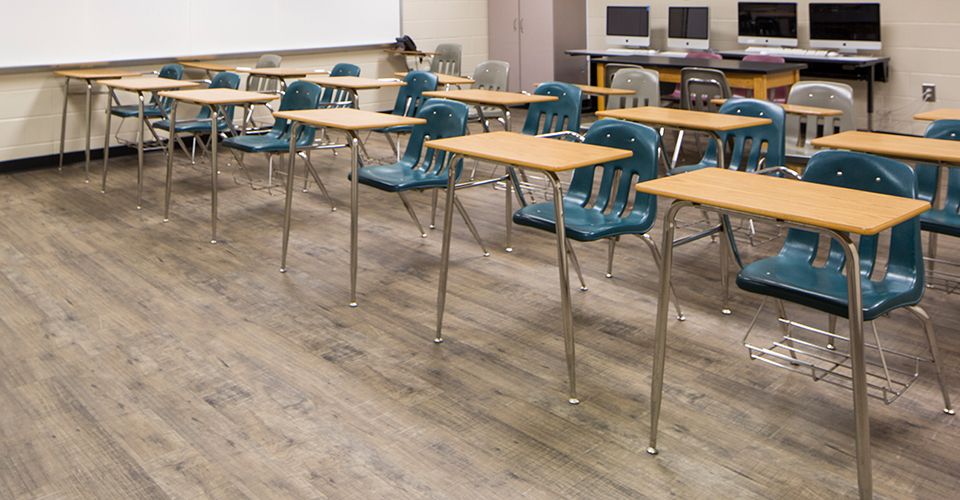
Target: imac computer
[[688, 28], [628, 26], [847, 27], [768, 24]]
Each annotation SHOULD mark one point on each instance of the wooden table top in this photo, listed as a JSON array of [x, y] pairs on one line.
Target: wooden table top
[[410, 52], [831, 207], [283, 72], [796, 109], [604, 91], [208, 65], [682, 118], [443, 79], [939, 114], [490, 97], [354, 82], [528, 151], [347, 118], [96, 73], [896, 146], [147, 83], [218, 96]]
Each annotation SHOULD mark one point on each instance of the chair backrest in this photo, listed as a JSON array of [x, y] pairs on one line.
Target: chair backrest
[[492, 75], [554, 116], [928, 176], [410, 97], [822, 95], [644, 82], [703, 55], [172, 71], [868, 173], [445, 118], [300, 94], [260, 84], [222, 80], [330, 95], [447, 60], [618, 178], [698, 86], [752, 144]]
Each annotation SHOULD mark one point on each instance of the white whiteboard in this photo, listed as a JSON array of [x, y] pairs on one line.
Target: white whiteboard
[[62, 32]]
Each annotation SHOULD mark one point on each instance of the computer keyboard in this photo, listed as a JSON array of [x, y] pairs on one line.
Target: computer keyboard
[[672, 54], [788, 51], [633, 52]]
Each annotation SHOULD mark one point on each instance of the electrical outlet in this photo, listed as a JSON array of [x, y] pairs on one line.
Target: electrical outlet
[[929, 92]]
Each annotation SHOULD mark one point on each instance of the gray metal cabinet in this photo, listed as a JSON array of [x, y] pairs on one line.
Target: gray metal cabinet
[[532, 36]]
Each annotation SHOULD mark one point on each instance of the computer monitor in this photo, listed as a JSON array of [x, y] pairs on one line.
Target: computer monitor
[[845, 26], [628, 26], [688, 28], [767, 23]]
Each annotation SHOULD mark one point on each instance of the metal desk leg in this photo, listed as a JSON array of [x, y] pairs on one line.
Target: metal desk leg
[[140, 151], [354, 207], [213, 176], [169, 184], [355, 97], [663, 311], [721, 154], [566, 310], [63, 120], [288, 204], [86, 157], [870, 79], [445, 248], [939, 200], [106, 147], [859, 372]]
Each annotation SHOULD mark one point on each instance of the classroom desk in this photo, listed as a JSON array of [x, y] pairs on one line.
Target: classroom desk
[[213, 99], [711, 123], [833, 211], [281, 74], [938, 114], [757, 76], [354, 84], [805, 112], [548, 156], [89, 76], [139, 86], [351, 121], [209, 67], [442, 79]]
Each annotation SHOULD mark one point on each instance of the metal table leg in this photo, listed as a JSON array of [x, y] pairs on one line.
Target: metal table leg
[[288, 203], [106, 146], [86, 157], [445, 248], [63, 120], [566, 310], [354, 216], [140, 151], [214, 119], [169, 184]]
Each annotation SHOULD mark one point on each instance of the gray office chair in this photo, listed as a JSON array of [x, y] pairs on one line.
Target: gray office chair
[[799, 132], [447, 60], [698, 86], [260, 84], [490, 75], [644, 82]]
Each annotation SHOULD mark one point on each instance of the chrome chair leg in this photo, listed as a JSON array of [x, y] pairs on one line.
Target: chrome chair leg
[[832, 328], [576, 265], [309, 168], [932, 250], [433, 208], [782, 312], [393, 145], [657, 260], [924, 318], [470, 226], [611, 247], [193, 150], [413, 215], [676, 150]]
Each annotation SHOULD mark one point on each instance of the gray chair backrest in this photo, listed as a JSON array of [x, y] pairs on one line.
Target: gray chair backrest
[[822, 95], [260, 84], [447, 60], [644, 82], [492, 75], [699, 85]]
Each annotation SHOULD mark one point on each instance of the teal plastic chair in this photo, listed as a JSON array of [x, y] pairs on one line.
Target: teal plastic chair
[[945, 220], [615, 208], [201, 124], [337, 98], [753, 159], [562, 115], [409, 100], [421, 168], [158, 107], [794, 275], [300, 94]]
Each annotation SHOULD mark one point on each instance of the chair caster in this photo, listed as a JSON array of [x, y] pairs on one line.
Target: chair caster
[[652, 451], [726, 312], [432, 226], [584, 289], [354, 304], [438, 340], [573, 401], [608, 275], [681, 317], [486, 254], [949, 411], [508, 249]]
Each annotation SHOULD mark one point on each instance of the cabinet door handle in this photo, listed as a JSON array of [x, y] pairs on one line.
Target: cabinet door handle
[[515, 23], [521, 25]]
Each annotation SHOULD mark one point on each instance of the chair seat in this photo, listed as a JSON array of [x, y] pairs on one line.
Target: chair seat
[[400, 177], [190, 126], [582, 223], [941, 221], [823, 289], [265, 143], [402, 129], [132, 110], [690, 168]]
